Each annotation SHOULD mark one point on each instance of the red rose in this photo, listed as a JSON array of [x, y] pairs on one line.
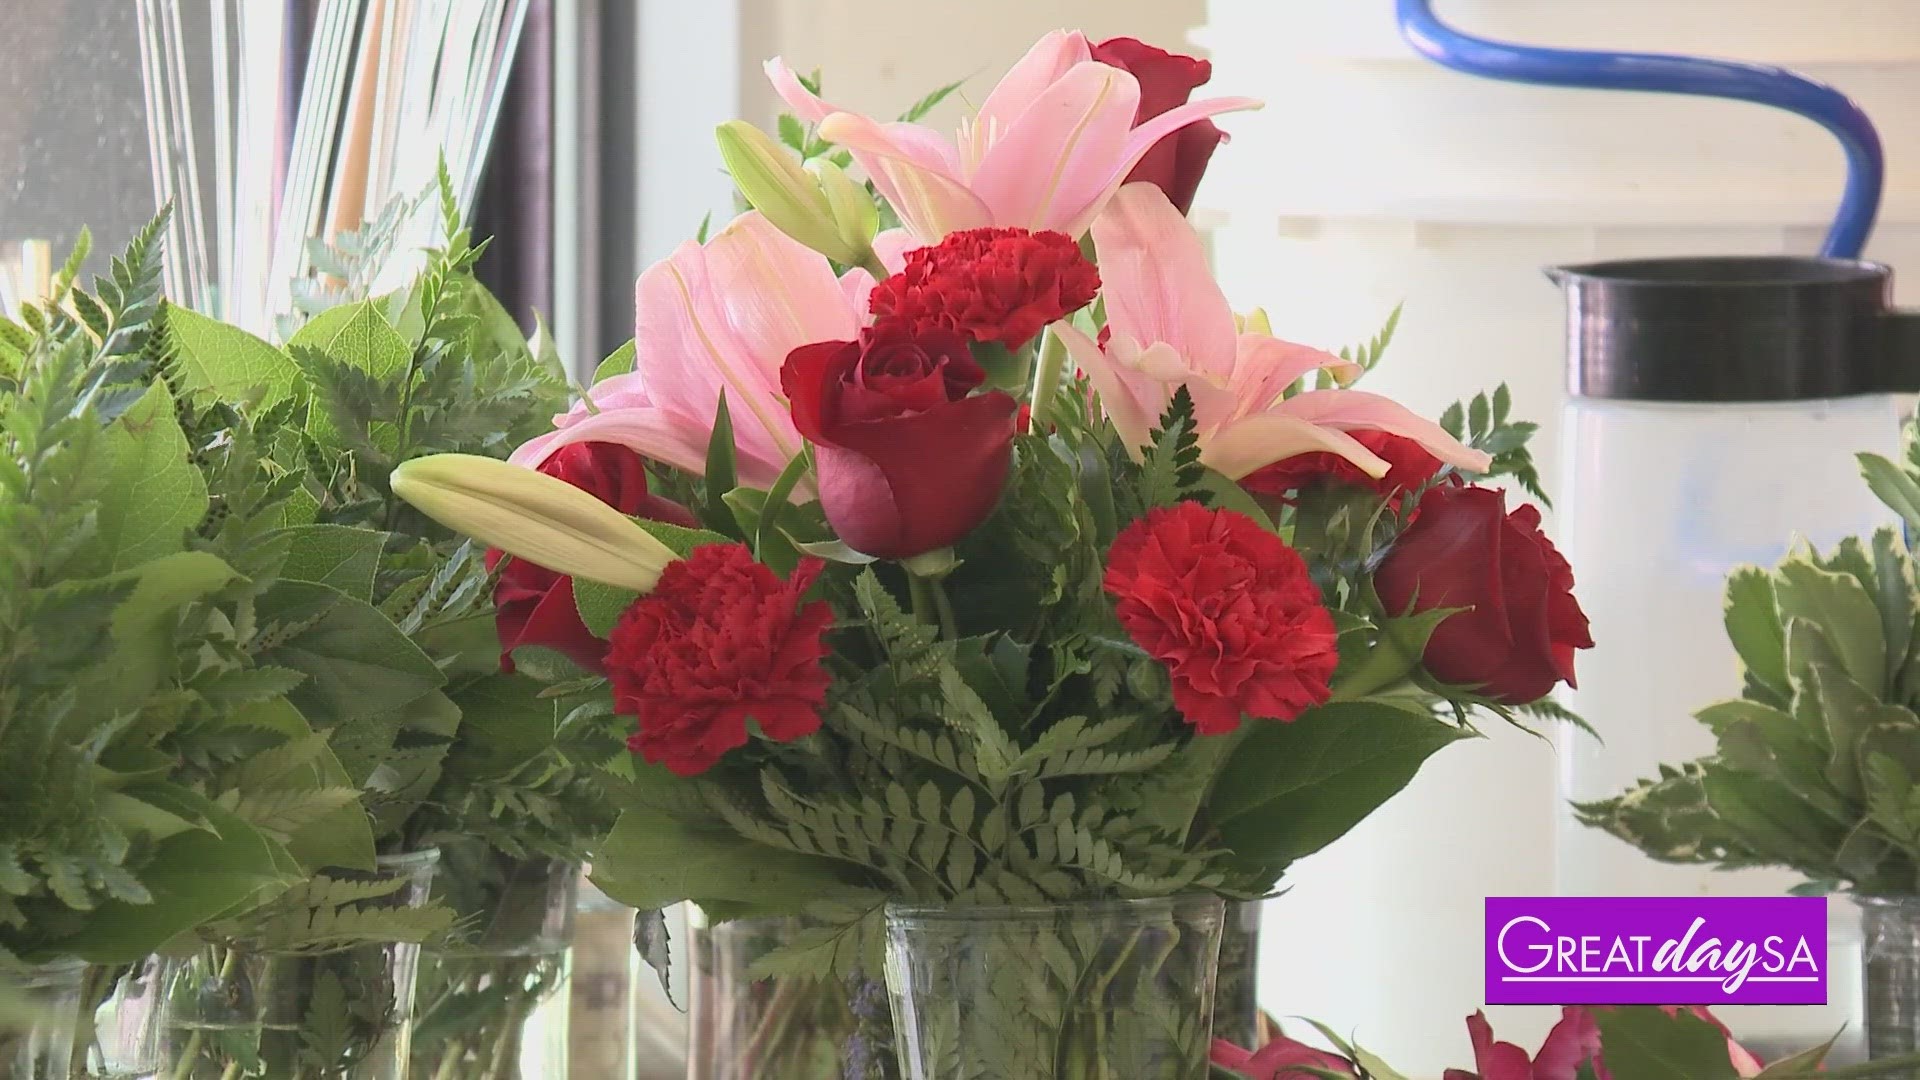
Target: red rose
[[1281, 1059], [1411, 467], [534, 605], [907, 462], [999, 285], [719, 641], [1231, 611], [1522, 624], [1177, 162]]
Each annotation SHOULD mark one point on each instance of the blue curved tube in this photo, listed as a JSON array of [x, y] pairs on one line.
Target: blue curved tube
[[1756, 83]]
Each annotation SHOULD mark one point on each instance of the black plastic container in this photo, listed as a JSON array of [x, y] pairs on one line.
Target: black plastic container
[[1736, 328]]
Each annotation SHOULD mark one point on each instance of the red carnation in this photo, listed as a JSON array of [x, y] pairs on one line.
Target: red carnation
[[532, 604], [1231, 611], [721, 640], [999, 285], [1411, 467]]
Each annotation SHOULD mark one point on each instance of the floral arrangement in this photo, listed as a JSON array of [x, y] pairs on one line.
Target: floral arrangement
[[992, 559], [1816, 765], [249, 691]]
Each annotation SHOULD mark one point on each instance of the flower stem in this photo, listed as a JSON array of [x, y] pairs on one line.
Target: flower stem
[[1047, 373], [943, 605], [192, 1051], [872, 265], [920, 591]]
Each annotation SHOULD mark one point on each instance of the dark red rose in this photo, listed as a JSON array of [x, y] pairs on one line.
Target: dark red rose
[[907, 462], [1522, 624], [534, 605], [1411, 468], [1177, 162], [999, 285], [721, 640], [1231, 611]]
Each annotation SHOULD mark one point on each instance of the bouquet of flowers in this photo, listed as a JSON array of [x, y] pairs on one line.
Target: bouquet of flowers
[[987, 589]]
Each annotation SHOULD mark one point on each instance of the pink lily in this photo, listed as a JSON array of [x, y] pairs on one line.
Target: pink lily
[[1171, 326], [1050, 145], [722, 316]]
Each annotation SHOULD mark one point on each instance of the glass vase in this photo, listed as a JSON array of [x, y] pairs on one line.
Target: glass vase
[[493, 1004], [346, 1014], [1890, 973], [122, 1020], [39, 1007], [1236, 999], [783, 1028], [1087, 991]]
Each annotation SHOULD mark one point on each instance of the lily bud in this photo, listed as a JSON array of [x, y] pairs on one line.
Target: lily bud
[[855, 217], [784, 193], [1254, 322], [535, 517]]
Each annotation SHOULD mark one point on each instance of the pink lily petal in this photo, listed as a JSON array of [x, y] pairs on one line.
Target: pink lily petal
[[1129, 415], [928, 199], [653, 433], [1050, 161], [804, 102], [1045, 64], [857, 286], [615, 392], [1258, 441], [1141, 140], [891, 248], [1157, 282], [1265, 366], [779, 294], [691, 354], [1357, 409]]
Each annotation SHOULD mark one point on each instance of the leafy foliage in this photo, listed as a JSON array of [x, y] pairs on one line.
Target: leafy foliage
[[1818, 761], [1485, 424]]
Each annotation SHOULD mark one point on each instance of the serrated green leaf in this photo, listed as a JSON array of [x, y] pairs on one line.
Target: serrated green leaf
[[219, 362], [357, 662], [1894, 486], [359, 336], [1646, 1043], [151, 496], [336, 555], [1844, 613], [619, 362]]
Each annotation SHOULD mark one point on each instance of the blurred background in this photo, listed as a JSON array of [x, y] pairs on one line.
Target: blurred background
[[1372, 179]]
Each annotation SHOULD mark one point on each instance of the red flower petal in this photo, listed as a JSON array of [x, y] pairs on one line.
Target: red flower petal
[[1231, 611]]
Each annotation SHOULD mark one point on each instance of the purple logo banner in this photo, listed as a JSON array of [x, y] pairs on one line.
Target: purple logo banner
[[1656, 950]]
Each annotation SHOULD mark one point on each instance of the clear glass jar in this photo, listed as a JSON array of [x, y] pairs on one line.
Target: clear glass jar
[[341, 1015], [743, 1028], [1890, 973], [494, 1006], [49, 996], [1236, 1000], [122, 1019], [1087, 991]]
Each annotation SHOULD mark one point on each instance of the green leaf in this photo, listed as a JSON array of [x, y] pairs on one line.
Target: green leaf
[[793, 132], [218, 362], [195, 877], [1894, 486], [504, 723], [151, 495], [766, 536], [1292, 789], [356, 661], [1841, 608], [343, 838], [680, 538], [720, 476], [1895, 596], [620, 362], [1225, 494], [832, 551], [1643, 1042], [1754, 626], [143, 623], [601, 605], [927, 104], [652, 860], [359, 336], [1807, 1063], [337, 555]]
